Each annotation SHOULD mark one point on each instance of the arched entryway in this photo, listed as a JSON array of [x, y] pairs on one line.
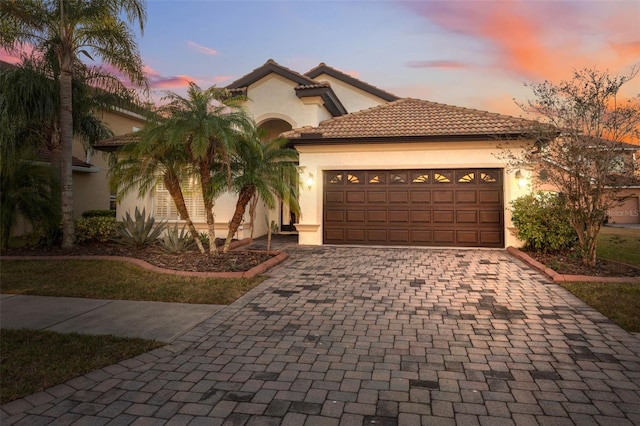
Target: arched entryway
[[272, 129]]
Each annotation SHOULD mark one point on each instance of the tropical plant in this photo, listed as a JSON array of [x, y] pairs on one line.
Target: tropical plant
[[204, 238], [268, 170], [206, 124], [140, 230], [139, 165], [176, 240], [61, 30], [29, 92], [25, 190]]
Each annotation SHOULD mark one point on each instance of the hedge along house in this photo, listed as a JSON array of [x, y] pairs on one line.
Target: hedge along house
[[375, 169]]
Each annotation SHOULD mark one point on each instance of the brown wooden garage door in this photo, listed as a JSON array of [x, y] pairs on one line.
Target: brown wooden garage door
[[459, 208]]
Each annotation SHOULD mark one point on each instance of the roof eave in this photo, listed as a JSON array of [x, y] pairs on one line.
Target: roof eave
[[324, 69], [313, 139], [268, 68], [331, 101], [85, 169]]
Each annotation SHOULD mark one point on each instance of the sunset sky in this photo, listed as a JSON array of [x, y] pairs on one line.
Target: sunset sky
[[474, 53]]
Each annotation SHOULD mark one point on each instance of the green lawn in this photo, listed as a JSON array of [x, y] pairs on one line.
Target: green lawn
[[103, 279], [33, 360], [621, 244], [618, 302]]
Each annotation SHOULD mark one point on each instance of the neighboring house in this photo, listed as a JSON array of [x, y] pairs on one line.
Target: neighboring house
[[375, 169], [625, 177], [91, 190], [90, 168]]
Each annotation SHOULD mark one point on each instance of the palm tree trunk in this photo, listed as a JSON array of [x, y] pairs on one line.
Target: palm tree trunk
[[253, 204], [173, 186], [66, 142], [204, 167], [241, 205]]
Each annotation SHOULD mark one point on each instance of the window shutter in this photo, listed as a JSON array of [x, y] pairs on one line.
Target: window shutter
[[198, 204], [162, 203]]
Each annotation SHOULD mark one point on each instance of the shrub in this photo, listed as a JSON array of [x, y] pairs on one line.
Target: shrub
[[99, 213], [204, 238], [95, 229], [48, 234], [176, 240], [139, 231], [543, 222]]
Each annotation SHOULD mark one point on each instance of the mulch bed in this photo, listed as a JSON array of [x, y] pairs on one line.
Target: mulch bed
[[564, 263], [191, 260]]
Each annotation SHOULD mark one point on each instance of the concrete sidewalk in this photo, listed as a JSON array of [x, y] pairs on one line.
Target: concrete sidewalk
[[148, 320]]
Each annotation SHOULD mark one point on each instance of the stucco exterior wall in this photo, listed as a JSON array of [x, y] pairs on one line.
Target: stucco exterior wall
[[274, 97], [629, 211], [352, 98], [315, 159], [223, 211], [91, 190]]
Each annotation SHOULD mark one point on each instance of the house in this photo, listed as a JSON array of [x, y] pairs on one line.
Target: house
[[374, 168]]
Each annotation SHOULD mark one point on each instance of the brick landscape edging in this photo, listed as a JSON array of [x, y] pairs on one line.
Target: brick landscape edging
[[279, 257], [556, 277]]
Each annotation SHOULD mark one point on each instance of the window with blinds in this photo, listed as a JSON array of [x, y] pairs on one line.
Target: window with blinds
[[166, 209]]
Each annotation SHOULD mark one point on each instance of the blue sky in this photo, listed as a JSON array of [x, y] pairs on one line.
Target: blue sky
[[473, 53]]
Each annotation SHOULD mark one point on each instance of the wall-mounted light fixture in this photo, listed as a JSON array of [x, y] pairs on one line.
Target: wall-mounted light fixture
[[522, 181], [309, 181]]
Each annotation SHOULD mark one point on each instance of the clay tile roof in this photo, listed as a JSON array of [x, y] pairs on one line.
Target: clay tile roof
[[44, 155], [113, 143], [314, 86], [414, 118], [323, 68], [269, 67]]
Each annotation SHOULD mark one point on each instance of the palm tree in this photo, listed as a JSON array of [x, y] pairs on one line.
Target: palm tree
[[140, 164], [63, 29], [29, 99], [267, 170], [207, 124]]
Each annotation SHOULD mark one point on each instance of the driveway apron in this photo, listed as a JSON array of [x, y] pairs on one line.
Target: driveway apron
[[354, 336]]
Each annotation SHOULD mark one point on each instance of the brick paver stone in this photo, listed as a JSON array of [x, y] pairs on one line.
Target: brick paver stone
[[353, 336]]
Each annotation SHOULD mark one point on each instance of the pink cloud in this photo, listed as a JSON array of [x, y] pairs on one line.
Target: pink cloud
[[8, 57], [158, 81], [441, 63], [15, 57], [201, 48], [172, 82], [543, 40], [221, 78]]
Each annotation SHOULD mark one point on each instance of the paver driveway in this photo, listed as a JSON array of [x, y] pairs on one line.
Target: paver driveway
[[374, 336]]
